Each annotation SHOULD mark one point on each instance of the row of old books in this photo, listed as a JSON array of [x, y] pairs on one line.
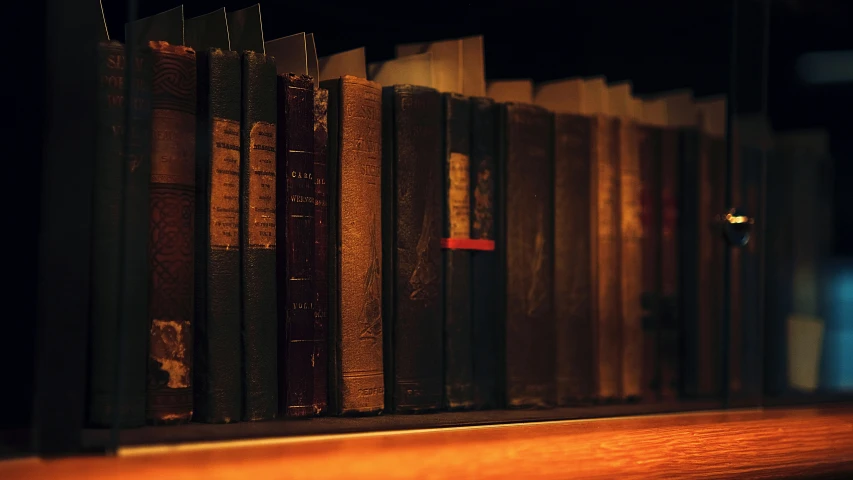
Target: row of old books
[[278, 235]]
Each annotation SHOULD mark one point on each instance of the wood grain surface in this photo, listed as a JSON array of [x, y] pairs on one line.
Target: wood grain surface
[[792, 442]]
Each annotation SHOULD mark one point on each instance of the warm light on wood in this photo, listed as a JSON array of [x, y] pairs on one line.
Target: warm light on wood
[[751, 444]]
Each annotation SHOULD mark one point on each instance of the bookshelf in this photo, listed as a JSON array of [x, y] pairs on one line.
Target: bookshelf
[[56, 404], [773, 443]]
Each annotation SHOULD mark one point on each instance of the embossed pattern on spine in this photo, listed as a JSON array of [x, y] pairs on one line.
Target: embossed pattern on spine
[[458, 355], [355, 215], [258, 237], [605, 258], [484, 265], [321, 242], [572, 274], [217, 374], [412, 120], [123, 151], [530, 326], [172, 234], [295, 239], [631, 235]]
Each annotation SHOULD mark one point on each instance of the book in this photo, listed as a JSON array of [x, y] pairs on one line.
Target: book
[[701, 160], [456, 240], [295, 243], [604, 230], [355, 263], [631, 235], [119, 292], [259, 219], [321, 242], [411, 232], [526, 243], [485, 287], [573, 154], [217, 360], [657, 351], [172, 230]]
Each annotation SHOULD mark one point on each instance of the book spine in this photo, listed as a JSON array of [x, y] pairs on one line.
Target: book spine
[[649, 141], [172, 190], [258, 220], [355, 263], [484, 264], [295, 240], [752, 341], [631, 238], [605, 230], [530, 328], [572, 275], [123, 167], [672, 250], [458, 356], [412, 229], [321, 243], [217, 360]]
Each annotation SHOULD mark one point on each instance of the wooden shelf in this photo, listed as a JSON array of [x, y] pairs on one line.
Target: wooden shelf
[[789, 442]]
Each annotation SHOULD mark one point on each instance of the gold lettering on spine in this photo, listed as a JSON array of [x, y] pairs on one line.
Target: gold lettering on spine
[[225, 184], [458, 200], [173, 147], [262, 186]]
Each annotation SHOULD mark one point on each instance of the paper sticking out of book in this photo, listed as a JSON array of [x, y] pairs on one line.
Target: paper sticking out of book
[[290, 53], [408, 70], [595, 99], [560, 96], [245, 29], [313, 62], [103, 33], [619, 100], [352, 62], [167, 26], [207, 31], [516, 90], [457, 64], [654, 112], [805, 344]]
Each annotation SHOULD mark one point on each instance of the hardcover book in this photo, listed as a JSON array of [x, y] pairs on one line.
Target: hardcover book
[[355, 242]]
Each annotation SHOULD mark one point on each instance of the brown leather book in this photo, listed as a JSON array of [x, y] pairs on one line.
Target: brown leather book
[[527, 245], [355, 245], [321, 243], [574, 138], [295, 244], [172, 190], [621, 106], [572, 275], [412, 294]]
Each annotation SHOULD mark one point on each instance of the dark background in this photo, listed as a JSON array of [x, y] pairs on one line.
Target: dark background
[[658, 44]]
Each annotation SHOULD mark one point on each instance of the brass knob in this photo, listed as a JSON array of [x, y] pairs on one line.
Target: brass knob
[[736, 227]]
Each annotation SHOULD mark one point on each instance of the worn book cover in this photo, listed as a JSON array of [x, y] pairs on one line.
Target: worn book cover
[[355, 245], [412, 203]]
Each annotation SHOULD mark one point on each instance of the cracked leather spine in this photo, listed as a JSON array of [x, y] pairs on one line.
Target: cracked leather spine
[[354, 195], [528, 246], [120, 238], [321, 247], [295, 244], [412, 203], [171, 244], [258, 222], [572, 267], [217, 345]]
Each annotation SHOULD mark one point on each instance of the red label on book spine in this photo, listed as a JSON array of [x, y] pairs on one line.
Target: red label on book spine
[[468, 244]]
